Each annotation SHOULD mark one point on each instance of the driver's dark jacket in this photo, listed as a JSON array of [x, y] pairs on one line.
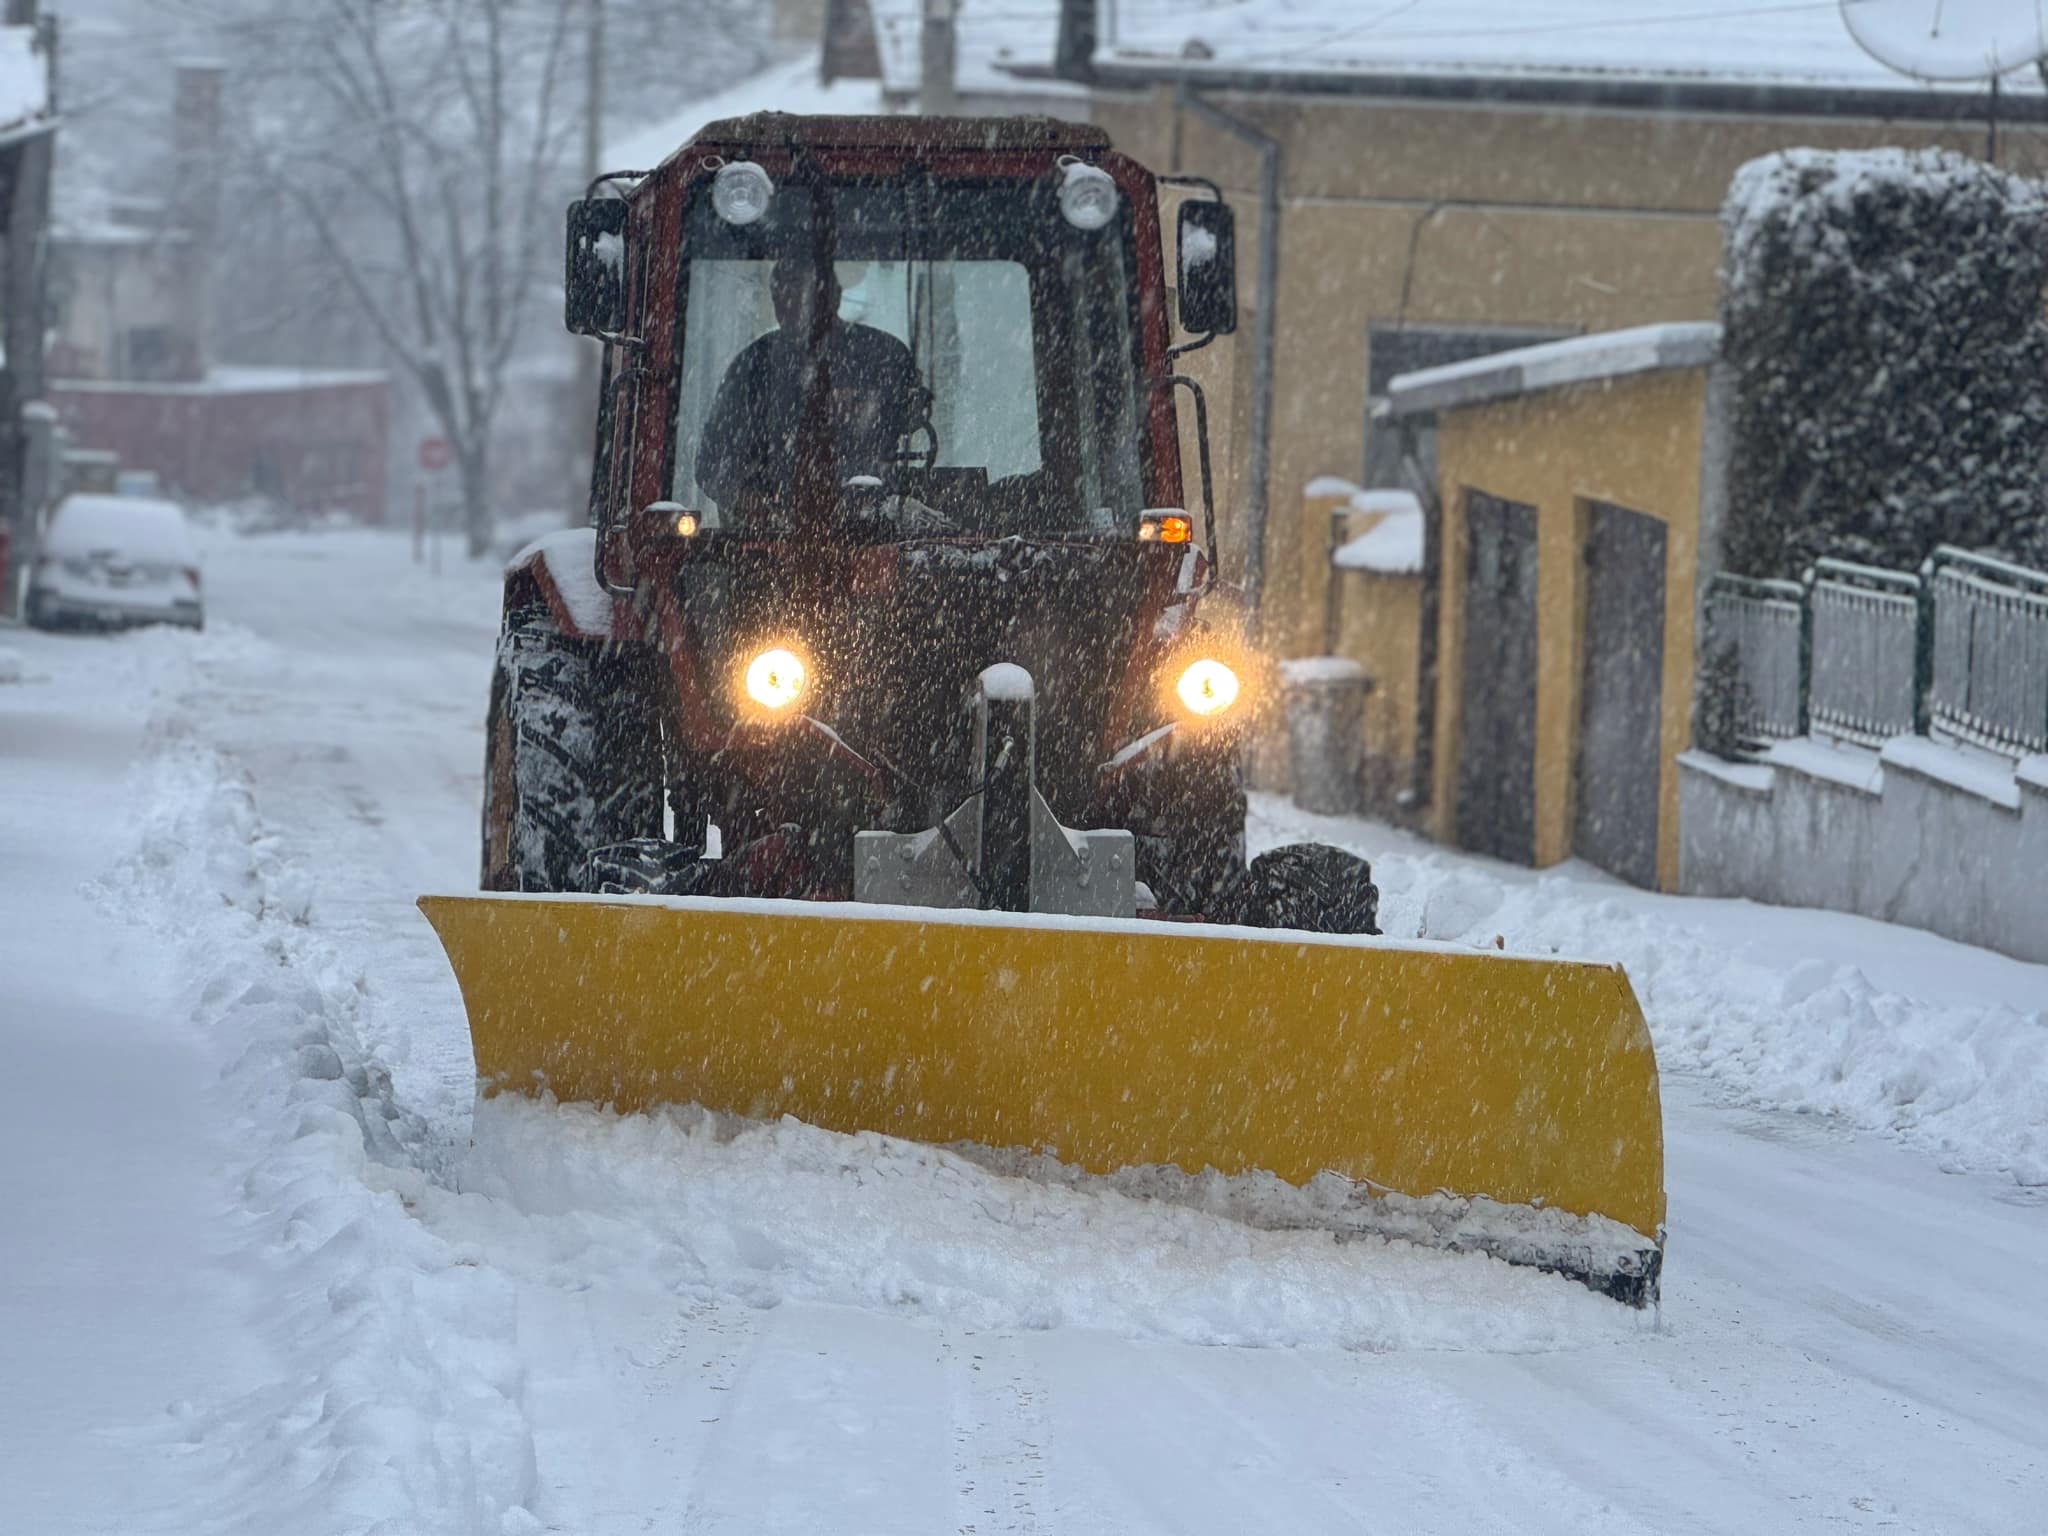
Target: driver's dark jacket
[[750, 439]]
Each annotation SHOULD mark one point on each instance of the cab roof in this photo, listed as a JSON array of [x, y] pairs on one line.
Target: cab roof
[[789, 130]]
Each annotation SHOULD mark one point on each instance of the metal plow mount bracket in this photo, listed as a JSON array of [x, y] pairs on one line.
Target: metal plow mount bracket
[[1003, 847]]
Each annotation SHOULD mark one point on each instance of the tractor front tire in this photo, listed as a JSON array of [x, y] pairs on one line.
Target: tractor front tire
[[1307, 886], [1186, 814], [572, 758]]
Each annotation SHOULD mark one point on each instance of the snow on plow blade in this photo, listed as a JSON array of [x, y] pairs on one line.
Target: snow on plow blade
[[1461, 1098]]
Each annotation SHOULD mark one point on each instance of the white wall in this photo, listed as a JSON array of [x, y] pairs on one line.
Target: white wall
[[1942, 839]]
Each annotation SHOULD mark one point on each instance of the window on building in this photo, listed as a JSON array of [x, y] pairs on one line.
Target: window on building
[[150, 354]]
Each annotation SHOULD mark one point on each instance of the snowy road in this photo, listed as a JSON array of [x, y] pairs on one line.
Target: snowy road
[[260, 1277]]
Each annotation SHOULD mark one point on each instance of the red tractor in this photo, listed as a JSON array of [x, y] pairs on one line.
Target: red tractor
[[892, 575], [893, 580]]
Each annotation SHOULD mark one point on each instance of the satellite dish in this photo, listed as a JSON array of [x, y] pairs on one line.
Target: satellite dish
[[1949, 39]]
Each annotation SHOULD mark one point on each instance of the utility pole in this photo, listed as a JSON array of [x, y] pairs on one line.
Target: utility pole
[[587, 351], [938, 92]]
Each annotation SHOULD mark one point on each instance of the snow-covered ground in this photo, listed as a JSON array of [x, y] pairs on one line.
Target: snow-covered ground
[[260, 1272]]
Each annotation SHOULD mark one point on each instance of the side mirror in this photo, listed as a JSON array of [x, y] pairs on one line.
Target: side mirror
[[594, 273], [1207, 242]]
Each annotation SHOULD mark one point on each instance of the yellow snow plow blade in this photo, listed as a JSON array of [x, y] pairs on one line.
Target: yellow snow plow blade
[[1411, 1070]]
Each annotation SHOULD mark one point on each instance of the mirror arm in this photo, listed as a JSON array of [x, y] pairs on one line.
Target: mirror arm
[[1182, 381], [591, 190], [626, 376]]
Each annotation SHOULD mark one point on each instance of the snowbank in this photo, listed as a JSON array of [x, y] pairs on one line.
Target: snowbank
[[401, 1408]]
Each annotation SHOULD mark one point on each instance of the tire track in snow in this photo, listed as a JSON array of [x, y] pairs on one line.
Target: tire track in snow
[[1001, 1434]]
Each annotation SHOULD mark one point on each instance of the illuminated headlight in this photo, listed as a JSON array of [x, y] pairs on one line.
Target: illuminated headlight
[[740, 192], [777, 678], [1207, 687], [1087, 195]]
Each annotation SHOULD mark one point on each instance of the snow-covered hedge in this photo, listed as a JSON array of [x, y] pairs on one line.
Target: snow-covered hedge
[[1882, 313]]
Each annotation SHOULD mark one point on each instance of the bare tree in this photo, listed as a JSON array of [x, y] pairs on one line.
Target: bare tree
[[419, 143], [395, 172]]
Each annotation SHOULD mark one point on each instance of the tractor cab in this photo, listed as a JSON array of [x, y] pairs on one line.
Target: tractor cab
[[893, 400], [849, 329]]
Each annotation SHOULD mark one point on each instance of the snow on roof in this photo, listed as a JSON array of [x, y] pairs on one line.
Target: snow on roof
[[991, 38], [1393, 545], [142, 527], [237, 379], [1575, 360], [1704, 42], [85, 230], [24, 84], [790, 86]]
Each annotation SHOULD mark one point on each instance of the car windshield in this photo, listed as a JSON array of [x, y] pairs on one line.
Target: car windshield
[[980, 366]]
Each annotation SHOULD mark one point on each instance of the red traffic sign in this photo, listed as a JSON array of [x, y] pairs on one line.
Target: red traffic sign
[[435, 454]]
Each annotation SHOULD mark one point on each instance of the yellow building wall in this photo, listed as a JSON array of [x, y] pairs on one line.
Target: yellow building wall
[[1439, 214], [1378, 621], [1634, 442], [1381, 630]]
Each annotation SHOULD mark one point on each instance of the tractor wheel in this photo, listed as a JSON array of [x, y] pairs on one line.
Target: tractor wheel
[[1309, 886], [572, 757]]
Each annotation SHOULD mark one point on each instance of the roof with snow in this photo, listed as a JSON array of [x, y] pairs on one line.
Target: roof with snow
[[24, 85], [1545, 46], [790, 86], [233, 379], [994, 42], [1575, 360], [991, 38], [1391, 547]]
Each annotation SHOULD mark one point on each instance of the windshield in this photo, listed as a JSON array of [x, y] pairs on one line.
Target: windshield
[[980, 366]]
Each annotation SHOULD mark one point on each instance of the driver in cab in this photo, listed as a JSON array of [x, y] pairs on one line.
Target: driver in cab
[[748, 459]]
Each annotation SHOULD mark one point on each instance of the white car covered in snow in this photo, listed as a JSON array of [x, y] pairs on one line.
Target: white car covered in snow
[[116, 560]]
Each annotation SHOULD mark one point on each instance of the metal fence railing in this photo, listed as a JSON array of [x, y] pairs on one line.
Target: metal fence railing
[[1764, 624], [1990, 651], [1866, 678], [1864, 654]]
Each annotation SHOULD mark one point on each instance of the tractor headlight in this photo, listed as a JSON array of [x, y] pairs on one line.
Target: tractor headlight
[[741, 191], [1087, 195], [1207, 687], [777, 678]]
